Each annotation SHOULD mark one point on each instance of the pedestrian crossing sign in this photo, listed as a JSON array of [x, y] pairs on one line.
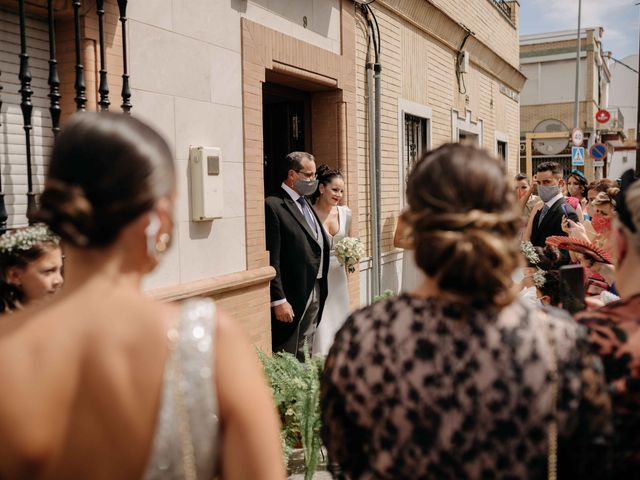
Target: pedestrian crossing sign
[[577, 156]]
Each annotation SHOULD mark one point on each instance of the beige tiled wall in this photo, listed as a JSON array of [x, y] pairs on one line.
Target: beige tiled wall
[[420, 68]]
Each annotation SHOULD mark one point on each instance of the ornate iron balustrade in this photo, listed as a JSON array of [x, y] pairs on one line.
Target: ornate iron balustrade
[[54, 94], [503, 6]]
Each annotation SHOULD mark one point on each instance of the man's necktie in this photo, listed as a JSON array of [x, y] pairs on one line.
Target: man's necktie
[[308, 216], [544, 211]]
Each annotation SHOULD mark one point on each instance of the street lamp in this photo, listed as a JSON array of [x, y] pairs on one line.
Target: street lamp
[[638, 115], [576, 112]]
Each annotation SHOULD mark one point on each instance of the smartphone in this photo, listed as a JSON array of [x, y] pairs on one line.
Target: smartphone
[[564, 211], [572, 288]]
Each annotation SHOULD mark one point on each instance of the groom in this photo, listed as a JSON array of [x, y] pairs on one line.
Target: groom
[[299, 252]]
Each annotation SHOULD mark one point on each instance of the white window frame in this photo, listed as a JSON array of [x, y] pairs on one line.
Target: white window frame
[[504, 138], [407, 107], [464, 124]]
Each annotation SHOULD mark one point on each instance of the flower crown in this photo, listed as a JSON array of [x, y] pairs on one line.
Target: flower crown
[[529, 252], [24, 239]]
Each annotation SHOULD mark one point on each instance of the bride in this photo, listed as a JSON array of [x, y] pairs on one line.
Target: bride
[[336, 220], [103, 381]]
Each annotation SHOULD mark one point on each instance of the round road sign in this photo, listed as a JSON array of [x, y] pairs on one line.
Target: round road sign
[[598, 151], [577, 137], [603, 116]]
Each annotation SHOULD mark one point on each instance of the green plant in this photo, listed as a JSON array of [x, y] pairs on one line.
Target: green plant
[[384, 295], [296, 391]]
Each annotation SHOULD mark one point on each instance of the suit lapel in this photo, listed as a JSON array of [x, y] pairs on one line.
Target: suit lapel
[[551, 213], [297, 214]]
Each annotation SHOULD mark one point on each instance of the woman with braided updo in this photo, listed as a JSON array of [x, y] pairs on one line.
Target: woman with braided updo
[[336, 220], [459, 379], [103, 381], [31, 266]]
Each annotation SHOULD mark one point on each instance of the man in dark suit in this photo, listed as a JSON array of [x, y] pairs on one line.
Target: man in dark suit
[[548, 220], [299, 252]]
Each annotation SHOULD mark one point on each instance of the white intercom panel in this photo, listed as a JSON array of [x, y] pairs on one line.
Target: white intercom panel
[[205, 172]]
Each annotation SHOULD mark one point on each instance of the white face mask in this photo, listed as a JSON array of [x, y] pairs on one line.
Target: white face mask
[[530, 294], [518, 275], [150, 233]]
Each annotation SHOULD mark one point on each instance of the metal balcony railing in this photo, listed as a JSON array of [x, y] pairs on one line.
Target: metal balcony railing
[[26, 89], [503, 6]]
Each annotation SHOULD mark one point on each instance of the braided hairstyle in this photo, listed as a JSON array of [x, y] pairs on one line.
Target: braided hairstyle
[[463, 224], [325, 175], [105, 171]]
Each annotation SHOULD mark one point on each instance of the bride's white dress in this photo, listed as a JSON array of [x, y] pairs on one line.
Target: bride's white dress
[[336, 307]]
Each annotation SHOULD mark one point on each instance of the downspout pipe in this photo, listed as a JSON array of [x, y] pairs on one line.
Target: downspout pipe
[[377, 69], [373, 184]]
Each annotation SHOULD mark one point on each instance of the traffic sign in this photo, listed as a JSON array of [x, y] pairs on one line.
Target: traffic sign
[[598, 163], [577, 156], [598, 151], [603, 116], [577, 137]]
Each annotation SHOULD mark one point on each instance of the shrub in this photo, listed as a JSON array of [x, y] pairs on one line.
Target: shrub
[[296, 391]]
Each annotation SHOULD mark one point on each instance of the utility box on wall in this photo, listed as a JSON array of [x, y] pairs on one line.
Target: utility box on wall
[[205, 175]]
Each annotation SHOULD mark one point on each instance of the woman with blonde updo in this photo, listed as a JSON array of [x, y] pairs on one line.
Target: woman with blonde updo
[[603, 206], [103, 381], [450, 381]]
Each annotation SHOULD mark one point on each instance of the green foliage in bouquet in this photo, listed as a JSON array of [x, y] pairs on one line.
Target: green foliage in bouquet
[[296, 391]]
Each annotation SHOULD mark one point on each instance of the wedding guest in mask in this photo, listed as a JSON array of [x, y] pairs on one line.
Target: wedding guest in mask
[[541, 280], [577, 187], [546, 219], [299, 251], [603, 210]]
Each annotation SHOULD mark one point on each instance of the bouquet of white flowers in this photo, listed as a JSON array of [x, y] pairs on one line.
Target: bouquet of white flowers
[[348, 251]]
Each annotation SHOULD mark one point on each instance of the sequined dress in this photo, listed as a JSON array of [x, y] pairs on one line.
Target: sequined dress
[[185, 445]]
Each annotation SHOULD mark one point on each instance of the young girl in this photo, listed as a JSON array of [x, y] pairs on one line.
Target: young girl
[[31, 266]]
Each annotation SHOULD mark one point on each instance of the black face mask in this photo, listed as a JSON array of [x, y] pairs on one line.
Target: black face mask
[[624, 215]]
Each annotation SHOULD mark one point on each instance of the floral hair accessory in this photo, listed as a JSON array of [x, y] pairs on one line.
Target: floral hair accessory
[[529, 252], [24, 239]]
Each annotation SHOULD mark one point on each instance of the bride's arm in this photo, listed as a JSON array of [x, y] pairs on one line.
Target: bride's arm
[[250, 426]]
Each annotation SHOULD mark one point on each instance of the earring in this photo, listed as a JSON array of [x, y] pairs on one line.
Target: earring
[[163, 242]]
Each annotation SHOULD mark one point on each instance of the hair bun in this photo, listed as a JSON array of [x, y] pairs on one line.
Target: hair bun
[[613, 191], [67, 211]]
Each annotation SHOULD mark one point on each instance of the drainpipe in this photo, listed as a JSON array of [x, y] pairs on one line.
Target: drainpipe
[[373, 184], [377, 68]]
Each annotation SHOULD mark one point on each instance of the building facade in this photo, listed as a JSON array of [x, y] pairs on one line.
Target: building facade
[[250, 80], [623, 98], [548, 98], [449, 72]]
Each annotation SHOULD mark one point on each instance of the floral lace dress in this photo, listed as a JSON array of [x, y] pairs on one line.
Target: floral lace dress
[[614, 331], [418, 388]]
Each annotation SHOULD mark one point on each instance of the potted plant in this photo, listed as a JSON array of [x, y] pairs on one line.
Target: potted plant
[[296, 391]]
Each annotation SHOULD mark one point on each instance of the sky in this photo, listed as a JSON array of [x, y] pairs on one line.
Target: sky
[[619, 18]]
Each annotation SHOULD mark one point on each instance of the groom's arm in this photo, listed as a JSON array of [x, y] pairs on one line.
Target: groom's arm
[[272, 226]]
